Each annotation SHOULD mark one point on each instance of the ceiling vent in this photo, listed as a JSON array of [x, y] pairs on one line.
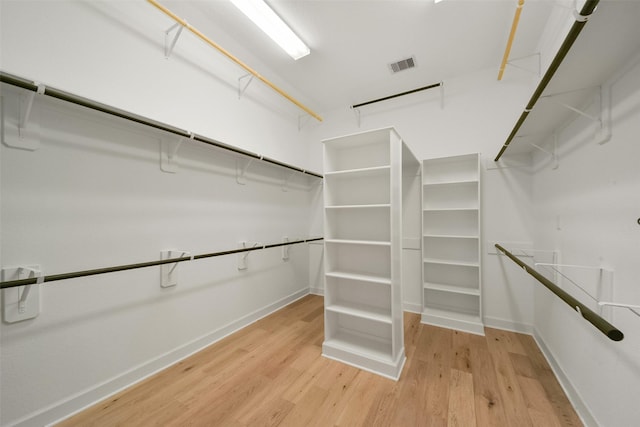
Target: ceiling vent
[[402, 65]]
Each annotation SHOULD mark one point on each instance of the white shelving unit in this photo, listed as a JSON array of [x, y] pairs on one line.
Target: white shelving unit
[[363, 194], [451, 243]]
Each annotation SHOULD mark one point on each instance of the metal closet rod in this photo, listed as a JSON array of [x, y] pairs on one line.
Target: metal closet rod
[[588, 8], [592, 317], [76, 274], [78, 100], [397, 95], [226, 53]]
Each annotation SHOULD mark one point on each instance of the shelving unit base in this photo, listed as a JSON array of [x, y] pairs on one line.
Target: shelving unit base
[[447, 319], [342, 351]]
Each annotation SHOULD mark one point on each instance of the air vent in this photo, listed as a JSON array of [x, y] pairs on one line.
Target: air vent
[[402, 65]]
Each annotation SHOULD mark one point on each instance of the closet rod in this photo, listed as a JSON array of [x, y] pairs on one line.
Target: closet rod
[[76, 274], [581, 19], [397, 95], [78, 100], [226, 53], [592, 317]]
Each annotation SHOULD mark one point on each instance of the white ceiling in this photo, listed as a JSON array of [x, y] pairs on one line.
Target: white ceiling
[[352, 42]]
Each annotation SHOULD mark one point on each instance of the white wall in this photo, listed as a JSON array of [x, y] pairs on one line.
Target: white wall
[[588, 209], [93, 195], [478, 114]]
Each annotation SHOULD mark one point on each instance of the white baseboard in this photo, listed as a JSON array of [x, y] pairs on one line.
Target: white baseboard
[[86, 398], [572, 393], [316, 291], [508, 325]]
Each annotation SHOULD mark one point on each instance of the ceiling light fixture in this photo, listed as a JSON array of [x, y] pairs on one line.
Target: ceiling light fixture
[[273, 26]]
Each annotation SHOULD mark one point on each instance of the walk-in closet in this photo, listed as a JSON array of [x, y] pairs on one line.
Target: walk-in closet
[[313, 213]]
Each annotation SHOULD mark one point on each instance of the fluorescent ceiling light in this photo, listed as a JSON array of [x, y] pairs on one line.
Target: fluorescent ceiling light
[[265, 18]]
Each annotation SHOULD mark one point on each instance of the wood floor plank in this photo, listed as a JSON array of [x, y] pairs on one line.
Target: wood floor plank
[[272, 373], [489, 405], [461, 413]]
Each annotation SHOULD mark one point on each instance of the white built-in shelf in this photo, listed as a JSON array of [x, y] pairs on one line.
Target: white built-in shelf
[[360, 310], [451, 288], [363, 199], [451, 249], [357, 242], [359, 277], [359, 173], [450, 262]]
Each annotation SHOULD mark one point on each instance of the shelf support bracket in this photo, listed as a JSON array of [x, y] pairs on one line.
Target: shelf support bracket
[[242, 87], [169, 152], [442, 95], [170, 44], [241, 170], [603, 133]]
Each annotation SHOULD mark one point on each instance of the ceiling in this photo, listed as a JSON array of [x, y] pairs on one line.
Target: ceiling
[[352, 42]]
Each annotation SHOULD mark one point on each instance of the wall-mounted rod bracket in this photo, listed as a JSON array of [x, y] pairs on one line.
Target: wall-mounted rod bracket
[[168, 272], [243, 256], [170, 43], [20, 131], [23, 302], [242, 86], [602, 285]]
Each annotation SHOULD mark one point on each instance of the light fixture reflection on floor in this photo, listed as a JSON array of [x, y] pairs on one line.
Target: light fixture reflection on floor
[[273, 26]]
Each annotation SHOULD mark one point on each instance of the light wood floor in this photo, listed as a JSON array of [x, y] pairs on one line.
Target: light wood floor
[[272, 373]]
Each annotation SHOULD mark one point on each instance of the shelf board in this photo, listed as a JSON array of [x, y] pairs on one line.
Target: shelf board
[[369, 346], [460, 182], [377, 206], [449, 209], [362, 311], [359, 277], [358, 242], [451, 288], [450, 262], [363, 172], [452, 236]]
